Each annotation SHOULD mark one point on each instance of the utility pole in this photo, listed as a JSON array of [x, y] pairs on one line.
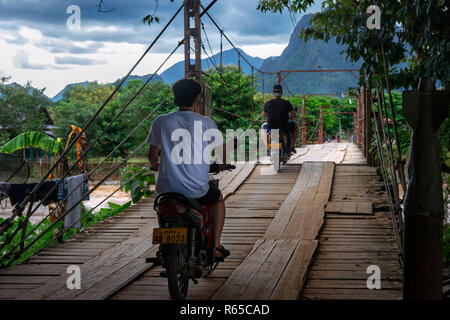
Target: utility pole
[[192, 31], [194, 71]]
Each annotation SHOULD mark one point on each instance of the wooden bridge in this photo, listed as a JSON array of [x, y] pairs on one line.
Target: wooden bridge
[[309, 232]]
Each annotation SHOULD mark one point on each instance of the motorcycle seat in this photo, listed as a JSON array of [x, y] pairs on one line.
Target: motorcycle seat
[[174, 196]]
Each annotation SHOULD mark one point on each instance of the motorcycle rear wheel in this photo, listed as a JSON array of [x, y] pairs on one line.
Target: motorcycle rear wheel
[[177, 275]]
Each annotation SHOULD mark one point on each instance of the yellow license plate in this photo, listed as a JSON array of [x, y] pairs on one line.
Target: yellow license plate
[[170, 236], [275, 146]]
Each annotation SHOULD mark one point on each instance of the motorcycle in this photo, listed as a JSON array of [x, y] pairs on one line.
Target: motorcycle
[[279, 152], [186, 239]]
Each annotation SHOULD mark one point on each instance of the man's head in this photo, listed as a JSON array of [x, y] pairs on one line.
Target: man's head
[[186, 91], [277, 90]]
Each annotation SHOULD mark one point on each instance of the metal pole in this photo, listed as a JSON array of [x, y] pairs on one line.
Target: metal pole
[[304, 122], [221, 50], [239, 79], [321, 125], [192, 11], [253, 93]]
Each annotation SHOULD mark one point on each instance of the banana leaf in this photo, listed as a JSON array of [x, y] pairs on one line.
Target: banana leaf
[[33, 139]]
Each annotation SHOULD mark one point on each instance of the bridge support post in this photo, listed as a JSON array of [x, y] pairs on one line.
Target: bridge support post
[[304, 121], [425, 109], [192, 31], [192, 12], [321, 125], [368, 125]]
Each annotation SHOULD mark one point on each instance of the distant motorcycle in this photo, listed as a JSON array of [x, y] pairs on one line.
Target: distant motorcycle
[[279, 152], [185, 236]]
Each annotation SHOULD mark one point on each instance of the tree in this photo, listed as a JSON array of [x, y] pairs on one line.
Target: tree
[[20, 109], [232, 97], [81, 102], [407, 27]]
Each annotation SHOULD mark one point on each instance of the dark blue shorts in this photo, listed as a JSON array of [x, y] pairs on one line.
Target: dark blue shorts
[[288, 130]]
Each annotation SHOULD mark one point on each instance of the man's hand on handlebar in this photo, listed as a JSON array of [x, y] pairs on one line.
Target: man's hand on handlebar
[[216, 168]]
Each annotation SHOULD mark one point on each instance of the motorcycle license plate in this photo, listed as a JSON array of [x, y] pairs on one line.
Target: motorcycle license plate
[[170, 236], [274, 146]]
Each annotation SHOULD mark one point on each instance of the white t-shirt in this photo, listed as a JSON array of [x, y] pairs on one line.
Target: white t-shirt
[[183, 137]]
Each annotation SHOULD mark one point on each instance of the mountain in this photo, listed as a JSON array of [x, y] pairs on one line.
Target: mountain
[[30, 91], [313, 55], [60, 94], [176, 72]]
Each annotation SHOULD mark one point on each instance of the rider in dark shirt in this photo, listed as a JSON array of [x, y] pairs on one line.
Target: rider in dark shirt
[[277, 112]]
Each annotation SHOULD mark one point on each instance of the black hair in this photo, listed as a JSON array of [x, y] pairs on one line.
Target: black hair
[[185, 92]]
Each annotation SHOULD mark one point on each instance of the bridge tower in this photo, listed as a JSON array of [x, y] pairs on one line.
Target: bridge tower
[[194, 71], [192, 31]]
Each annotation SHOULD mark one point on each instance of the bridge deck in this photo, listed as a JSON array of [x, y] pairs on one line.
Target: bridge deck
[[274, 226]]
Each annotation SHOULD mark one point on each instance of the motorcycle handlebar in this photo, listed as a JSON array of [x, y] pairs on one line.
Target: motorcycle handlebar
[[213, 168]]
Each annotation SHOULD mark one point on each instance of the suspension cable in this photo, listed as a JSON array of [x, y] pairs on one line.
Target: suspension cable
[[92, 190], [96, 140], [19, 208]]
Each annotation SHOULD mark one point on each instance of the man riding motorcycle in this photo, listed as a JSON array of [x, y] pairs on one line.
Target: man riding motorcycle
[[277, 112], [190, 179]]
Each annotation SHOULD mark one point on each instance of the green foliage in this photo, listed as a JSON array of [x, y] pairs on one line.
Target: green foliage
[[81, 102], [407, 27], [20, 109], [43, 241], [33, 139], [88, 219], [232, 92], [136, 182], [331, 105], [114, 209]]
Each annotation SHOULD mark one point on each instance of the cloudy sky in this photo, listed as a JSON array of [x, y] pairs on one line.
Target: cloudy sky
[[37, 45]]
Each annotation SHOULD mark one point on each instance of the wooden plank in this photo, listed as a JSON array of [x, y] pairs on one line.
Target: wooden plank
[[308, 216], [237, 180], [355, 294], [99, 268], [350, 284], [267, 276], [119, 279], [334, 207], [244, 273], [348, 207], [364, 208], [281, 220], [291, 283]]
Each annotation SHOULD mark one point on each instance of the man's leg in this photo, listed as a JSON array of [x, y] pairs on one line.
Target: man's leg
[[219, 219], [294, 133]]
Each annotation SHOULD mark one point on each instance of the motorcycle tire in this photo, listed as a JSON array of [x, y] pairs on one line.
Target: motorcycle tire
[[176, 266]]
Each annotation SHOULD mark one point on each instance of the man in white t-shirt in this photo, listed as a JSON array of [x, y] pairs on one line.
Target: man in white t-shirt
[[186, 140]]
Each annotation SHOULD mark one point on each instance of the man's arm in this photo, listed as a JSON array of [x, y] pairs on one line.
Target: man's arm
[[153, 156], [293, 114]]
